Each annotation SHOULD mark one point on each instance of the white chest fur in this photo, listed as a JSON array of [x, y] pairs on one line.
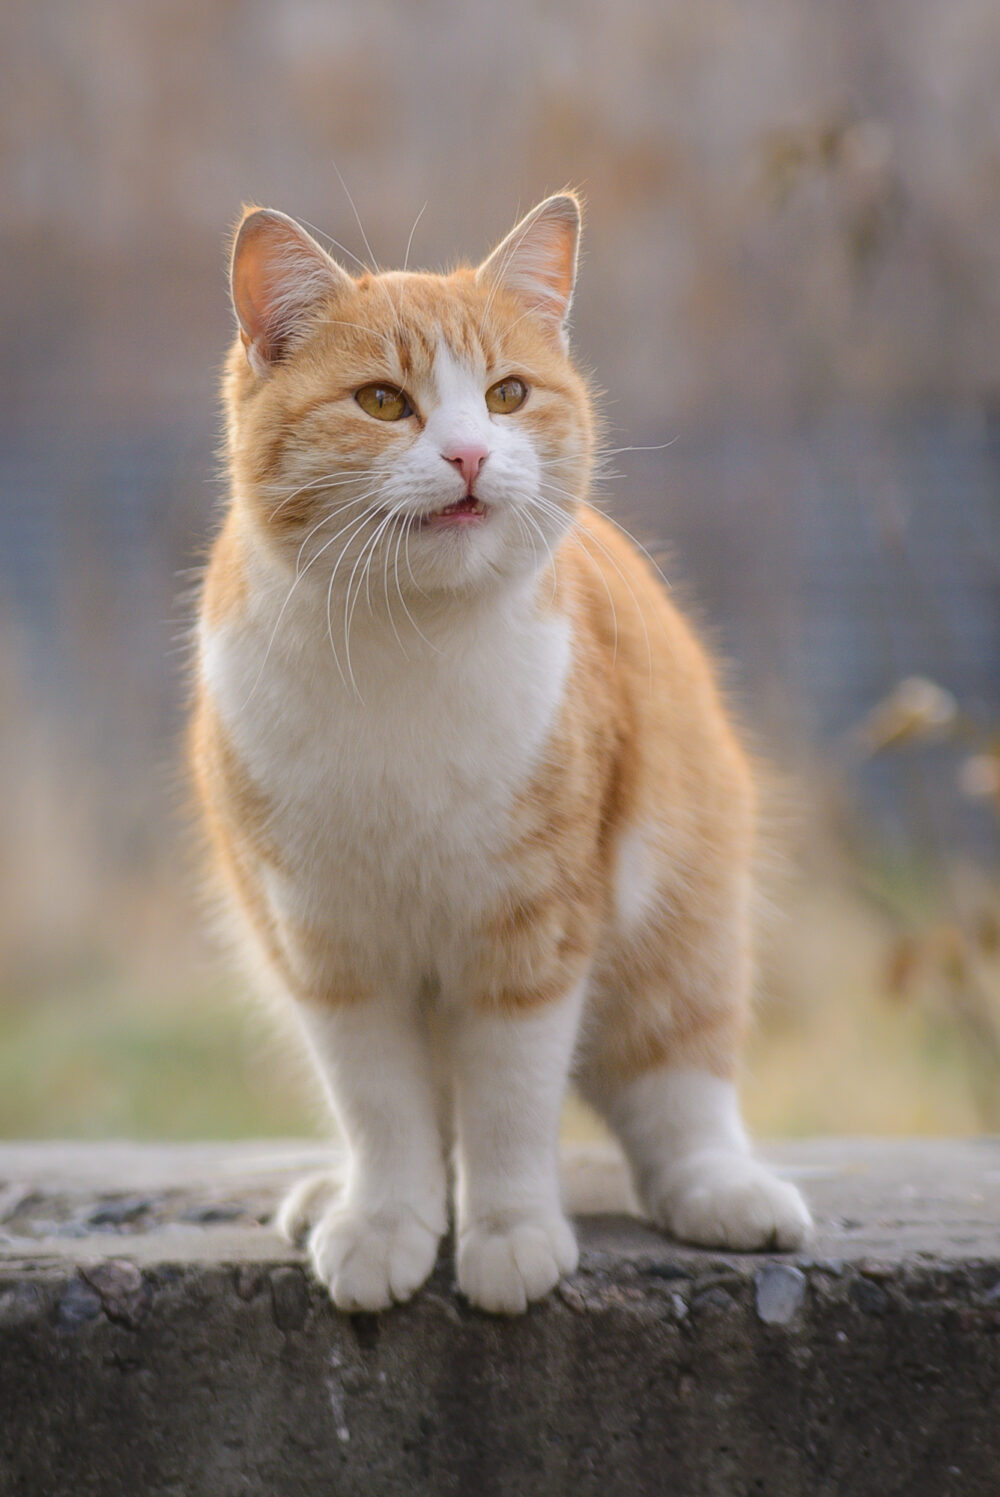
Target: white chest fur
[[390, 807]]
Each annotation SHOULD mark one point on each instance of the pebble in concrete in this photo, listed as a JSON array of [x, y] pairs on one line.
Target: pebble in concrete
[[713, 1299], [869, 1297], [289, 1298], [78, 1304], [116, 1212], [124, 1294], [19, 1305], [780, 1291]]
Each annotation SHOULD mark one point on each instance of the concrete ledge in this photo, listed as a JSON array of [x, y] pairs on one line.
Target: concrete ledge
[[156, 1340]]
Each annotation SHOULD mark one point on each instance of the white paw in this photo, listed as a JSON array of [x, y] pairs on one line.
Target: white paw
[[305, 1203], [368, 1260], [728, 1200], [502, 1269]]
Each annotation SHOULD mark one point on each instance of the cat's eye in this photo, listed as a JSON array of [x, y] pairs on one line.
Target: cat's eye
[[506, 395], [383, 402]]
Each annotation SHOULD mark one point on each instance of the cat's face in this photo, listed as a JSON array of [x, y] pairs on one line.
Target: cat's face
[[406, 432]]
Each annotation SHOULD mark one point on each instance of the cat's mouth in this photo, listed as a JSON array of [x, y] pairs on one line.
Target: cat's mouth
[[467, 511]]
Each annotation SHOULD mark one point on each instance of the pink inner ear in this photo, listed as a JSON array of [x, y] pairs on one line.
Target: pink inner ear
[[279, 276], [250, 288], [537, 260], [555, 256]]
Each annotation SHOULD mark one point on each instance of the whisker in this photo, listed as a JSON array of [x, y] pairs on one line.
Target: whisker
[[385, 586], [339, 475], [371, 254], [533, 523], [588, 536], [408, 526], [364, 559], [357, 217], [406, 550], [655, 447], [288, 598], [409, 242], [329, 604], [360, 327], [348, 504], [367, 551], [322, 234], [579, 530], [613, 451], [314, 486], [620, 527]]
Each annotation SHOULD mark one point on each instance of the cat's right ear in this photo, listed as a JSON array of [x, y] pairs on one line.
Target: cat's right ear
[[537, 260], [278, 277]]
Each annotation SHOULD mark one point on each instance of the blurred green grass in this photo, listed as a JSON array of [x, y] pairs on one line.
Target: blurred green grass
[[100, 1059], [191, 1056]]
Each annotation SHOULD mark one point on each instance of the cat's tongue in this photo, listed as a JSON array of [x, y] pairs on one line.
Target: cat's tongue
[[463, 512]]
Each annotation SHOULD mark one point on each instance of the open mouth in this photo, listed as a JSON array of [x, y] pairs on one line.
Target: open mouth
[[467, 511]]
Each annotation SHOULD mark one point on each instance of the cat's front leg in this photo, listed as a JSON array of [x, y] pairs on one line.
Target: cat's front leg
[[376, 1240], [510, 1070]]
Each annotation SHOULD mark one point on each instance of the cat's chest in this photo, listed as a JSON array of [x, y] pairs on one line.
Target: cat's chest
[[399, 795]]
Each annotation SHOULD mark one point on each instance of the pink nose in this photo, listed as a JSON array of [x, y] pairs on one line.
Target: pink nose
[[468, 461]]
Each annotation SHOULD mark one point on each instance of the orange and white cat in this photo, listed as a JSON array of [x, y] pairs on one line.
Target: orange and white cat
[[466, 774]]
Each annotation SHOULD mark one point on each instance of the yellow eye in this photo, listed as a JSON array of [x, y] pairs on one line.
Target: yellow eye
[[506, 395], [383, 402]]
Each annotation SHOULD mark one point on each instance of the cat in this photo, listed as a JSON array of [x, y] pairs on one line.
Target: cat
[[466, 774]]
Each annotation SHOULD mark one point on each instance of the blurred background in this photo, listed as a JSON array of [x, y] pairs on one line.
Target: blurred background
[[791, 276]]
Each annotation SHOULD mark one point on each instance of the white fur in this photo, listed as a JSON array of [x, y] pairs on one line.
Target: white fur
[[637, 895], [388, 811], [693, 1168], [510, 1074], [377, 1240]]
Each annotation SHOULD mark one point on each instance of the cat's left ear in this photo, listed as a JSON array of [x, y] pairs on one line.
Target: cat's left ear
[[537, 260], [280, 278]]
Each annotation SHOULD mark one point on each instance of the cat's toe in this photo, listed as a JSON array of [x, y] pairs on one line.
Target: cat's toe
[[731, 1201], [368, 1262], [304, 1205], [504, 1269]]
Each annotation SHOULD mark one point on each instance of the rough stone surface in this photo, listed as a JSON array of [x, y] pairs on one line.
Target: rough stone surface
[[157, 1338]]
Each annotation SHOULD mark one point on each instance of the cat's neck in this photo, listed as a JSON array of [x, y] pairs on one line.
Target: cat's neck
[[378, 633]]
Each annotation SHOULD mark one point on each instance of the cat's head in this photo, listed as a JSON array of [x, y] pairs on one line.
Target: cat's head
[[426, 431]]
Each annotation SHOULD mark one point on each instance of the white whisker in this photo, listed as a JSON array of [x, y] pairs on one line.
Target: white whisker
[[288, 596], [619, 527], [385, 584], [360, 327], [329, 600], [409, 242], [363, 560], [408, 526], [315, 485], [585, 536]]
